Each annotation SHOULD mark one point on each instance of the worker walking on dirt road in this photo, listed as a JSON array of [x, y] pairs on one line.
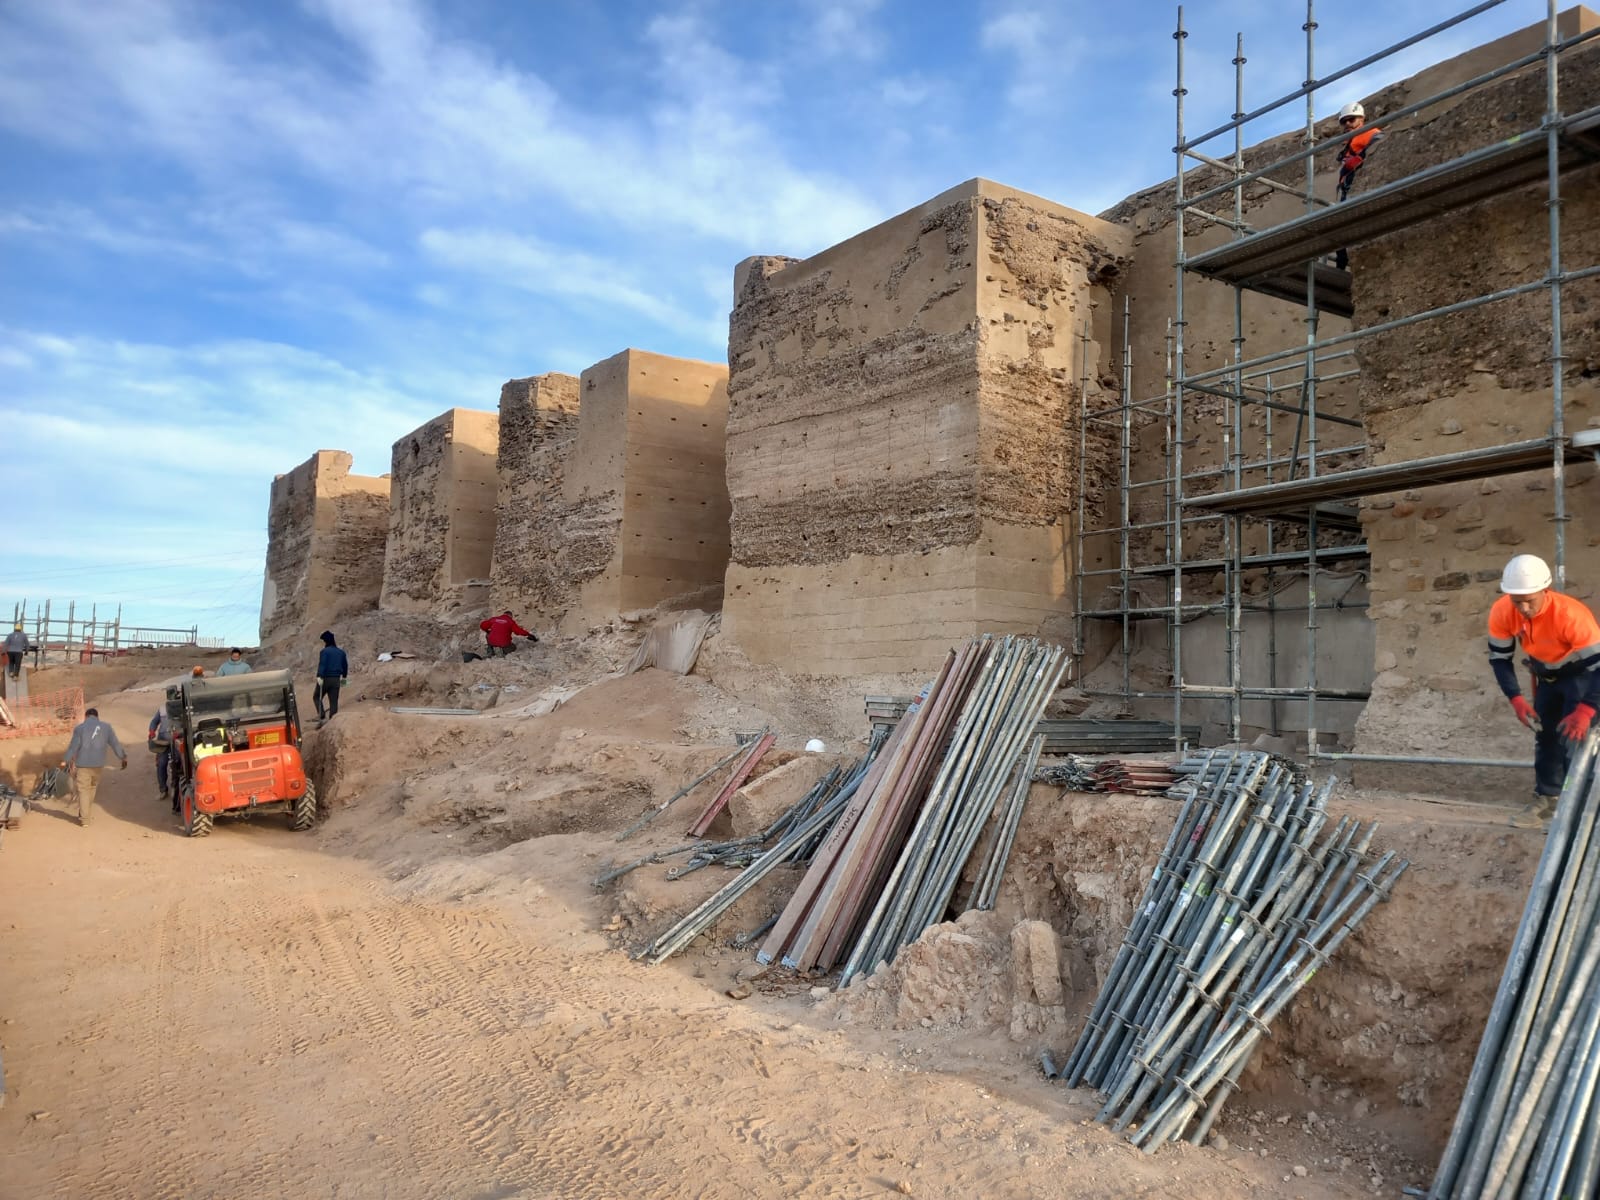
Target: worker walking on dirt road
[[333, 668], [498, 630], [16, 646], [160, 739], [1561, 639], [86, 757]]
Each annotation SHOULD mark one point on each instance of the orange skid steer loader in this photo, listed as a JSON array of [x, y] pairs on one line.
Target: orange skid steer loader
[[236, 750]]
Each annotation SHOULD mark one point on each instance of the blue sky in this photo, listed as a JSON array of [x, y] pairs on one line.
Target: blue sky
[[233, 233]]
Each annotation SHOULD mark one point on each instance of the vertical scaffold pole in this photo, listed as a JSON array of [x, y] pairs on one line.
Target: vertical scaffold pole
[[1124, 578], [1169, 436], [1175, 540], [1272, 580], [1081, 486], [1558, 416], [1234, 526], [1311, 390]]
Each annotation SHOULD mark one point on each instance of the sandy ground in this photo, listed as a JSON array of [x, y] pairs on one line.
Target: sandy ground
[[264, 1013]]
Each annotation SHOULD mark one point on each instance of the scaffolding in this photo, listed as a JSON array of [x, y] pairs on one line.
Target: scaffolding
[[69, 635], [1291, 511]]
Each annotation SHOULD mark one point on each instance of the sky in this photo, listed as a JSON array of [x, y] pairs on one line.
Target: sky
[[232, 234]]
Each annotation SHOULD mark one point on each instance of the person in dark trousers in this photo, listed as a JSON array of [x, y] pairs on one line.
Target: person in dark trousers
[[1561, 639], [160, 739], [1352, 155], [333, 668], [16, 646], [498, 631], [86, 758]]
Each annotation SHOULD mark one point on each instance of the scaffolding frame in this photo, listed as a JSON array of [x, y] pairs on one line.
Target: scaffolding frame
[[1285, 261]]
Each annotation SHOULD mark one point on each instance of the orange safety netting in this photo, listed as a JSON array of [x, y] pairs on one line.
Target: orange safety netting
[[48, 712]]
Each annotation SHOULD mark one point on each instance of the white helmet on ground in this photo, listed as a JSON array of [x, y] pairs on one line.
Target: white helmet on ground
[[1524, 575], [1353, 109]]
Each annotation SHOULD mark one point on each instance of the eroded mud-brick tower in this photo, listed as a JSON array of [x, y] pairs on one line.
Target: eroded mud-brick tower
[[325, 543], [899, 455]]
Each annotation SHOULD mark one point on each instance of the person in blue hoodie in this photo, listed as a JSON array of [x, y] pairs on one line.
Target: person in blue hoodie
[[333, 668]]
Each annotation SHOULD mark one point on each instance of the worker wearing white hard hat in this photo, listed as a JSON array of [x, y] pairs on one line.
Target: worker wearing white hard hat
[[1560, 640], [1353, 154]]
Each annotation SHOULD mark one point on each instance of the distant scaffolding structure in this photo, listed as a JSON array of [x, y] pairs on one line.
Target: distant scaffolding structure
[[66, 634], [1283, 501]]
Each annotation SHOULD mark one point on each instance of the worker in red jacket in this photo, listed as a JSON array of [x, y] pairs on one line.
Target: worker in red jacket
[[1561, 639], [499, 631]]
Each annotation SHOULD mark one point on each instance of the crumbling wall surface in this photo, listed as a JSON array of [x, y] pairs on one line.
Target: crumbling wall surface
[[847, 431], [442, 510], [899, 462], [538, 424], [1504, 241], [1385, 1033], [419, 519], [643, 509], [326, 530], [471, 468], [1474, 379], [291, 528], [675, 511]]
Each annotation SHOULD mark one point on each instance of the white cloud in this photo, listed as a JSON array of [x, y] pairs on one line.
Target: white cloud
[[905, 91], [224, 410], [844, 30], [545, 269], [1042, 52], [226, 108]]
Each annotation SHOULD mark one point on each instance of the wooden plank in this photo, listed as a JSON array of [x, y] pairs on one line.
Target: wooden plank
[[720, 801]]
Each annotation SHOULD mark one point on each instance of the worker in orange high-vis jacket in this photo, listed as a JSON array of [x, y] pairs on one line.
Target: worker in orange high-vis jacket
[[1353, 154], [1561, 641]]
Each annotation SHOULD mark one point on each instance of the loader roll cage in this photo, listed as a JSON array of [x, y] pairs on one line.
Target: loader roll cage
[[259, 698]]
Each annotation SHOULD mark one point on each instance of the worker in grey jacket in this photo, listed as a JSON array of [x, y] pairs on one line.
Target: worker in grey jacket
[[86, 757], [16, 646]]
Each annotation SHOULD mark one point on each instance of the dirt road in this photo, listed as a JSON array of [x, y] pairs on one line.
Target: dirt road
[[256, 1014]]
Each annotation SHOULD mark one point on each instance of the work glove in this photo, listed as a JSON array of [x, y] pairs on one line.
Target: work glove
[[532, 637], [1575, 724], [1525, 713]]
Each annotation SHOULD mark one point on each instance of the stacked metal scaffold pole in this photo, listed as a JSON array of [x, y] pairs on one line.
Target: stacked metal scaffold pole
[[1252, 894], [799, 831], [1529, 1124], [888, 843], [890, 866]]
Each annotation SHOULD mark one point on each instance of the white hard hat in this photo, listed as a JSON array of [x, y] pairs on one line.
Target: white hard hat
[[815, 746], [1353, 110], [1524, 575]]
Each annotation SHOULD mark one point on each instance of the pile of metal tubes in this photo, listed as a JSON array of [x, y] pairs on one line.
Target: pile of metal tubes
[[798, 832], [1529, 1121], [735, 852], [1252, 894], [892, 864]]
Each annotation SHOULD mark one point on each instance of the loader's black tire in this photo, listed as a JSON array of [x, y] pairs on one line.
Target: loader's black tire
[[304, 815], [197, 823]]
